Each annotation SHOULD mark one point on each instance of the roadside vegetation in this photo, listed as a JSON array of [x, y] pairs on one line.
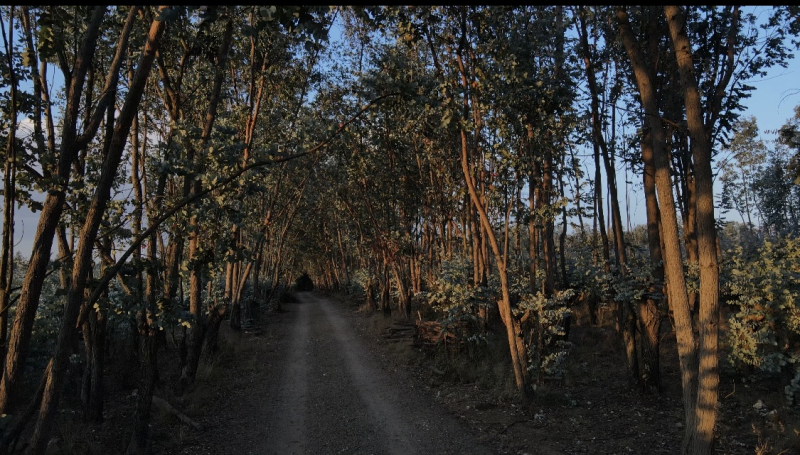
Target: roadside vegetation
[[468, 171]]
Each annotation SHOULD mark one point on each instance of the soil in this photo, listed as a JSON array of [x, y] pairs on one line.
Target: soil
[[322, 377]]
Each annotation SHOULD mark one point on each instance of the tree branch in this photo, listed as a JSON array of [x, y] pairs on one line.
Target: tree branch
[[113, 270]]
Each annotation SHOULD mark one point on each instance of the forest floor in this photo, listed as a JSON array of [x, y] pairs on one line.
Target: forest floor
[[314, 388], [593, 409], [322, 377], [306, 382]]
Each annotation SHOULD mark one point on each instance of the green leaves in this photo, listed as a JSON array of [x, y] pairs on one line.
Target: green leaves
[[46, 38], [764, 326], [447, 117]]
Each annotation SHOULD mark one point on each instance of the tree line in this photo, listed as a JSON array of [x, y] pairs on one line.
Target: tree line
[[197, 160]]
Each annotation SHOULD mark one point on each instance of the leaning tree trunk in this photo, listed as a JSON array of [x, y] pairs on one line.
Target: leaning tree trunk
[[196, 331], [83, 255], [20, 337], [94, 326], [518, 355]]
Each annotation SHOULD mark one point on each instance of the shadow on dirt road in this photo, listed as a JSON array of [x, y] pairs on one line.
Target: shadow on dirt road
[[333, 398]]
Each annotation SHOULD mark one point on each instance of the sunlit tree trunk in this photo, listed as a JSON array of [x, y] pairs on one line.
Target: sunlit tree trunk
[[88, 232], [705, 409], [518, 358], [673, 264]]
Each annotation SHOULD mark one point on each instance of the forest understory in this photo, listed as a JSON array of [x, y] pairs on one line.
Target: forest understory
[[471, 178], [593, 409]]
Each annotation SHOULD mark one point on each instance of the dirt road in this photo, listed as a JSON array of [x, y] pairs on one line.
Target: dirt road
[[315, 388]]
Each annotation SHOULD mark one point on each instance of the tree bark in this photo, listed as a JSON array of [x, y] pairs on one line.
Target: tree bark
[[89, 233], [148, 356], [94, 339], [702, 439], [673, 266], [196, 330], [518, 358], [625, 322], [19, 340], [9, 193], [648, 311]]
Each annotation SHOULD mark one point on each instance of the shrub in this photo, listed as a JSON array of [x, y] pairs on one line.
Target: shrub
[[455, 300], [547, 346], [764, 326]]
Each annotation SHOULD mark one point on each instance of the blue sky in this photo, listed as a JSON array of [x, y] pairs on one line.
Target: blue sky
[[775, 97], [772, 104]]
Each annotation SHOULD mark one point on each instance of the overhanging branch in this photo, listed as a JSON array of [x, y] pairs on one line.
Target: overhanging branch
[[112, 271]]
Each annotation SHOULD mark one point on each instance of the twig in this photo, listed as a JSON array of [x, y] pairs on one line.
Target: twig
[[162, 403], [732, 391]]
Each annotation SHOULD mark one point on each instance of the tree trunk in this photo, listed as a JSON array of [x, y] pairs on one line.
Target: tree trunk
[[518, 357], [94, 348], [599, 215], [147, 342], [215, 317], [88, 235], [148, 360], [257, 291], [196, 329], [235, 320], [385, 285], [548, 241], [701, 441], [562, 238], [625, 322], [687, 192], [648, 309], [12, 432], [344, 259], [19, 340], [673, 264], [9, 194], [404, 303]]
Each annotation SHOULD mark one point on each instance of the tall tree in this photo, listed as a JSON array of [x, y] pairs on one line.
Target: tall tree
[[676, 284], [82, 265], [19, 340]]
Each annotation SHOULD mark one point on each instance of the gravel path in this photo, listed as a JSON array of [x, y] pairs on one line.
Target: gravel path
[[334, 398], [309, 384]]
